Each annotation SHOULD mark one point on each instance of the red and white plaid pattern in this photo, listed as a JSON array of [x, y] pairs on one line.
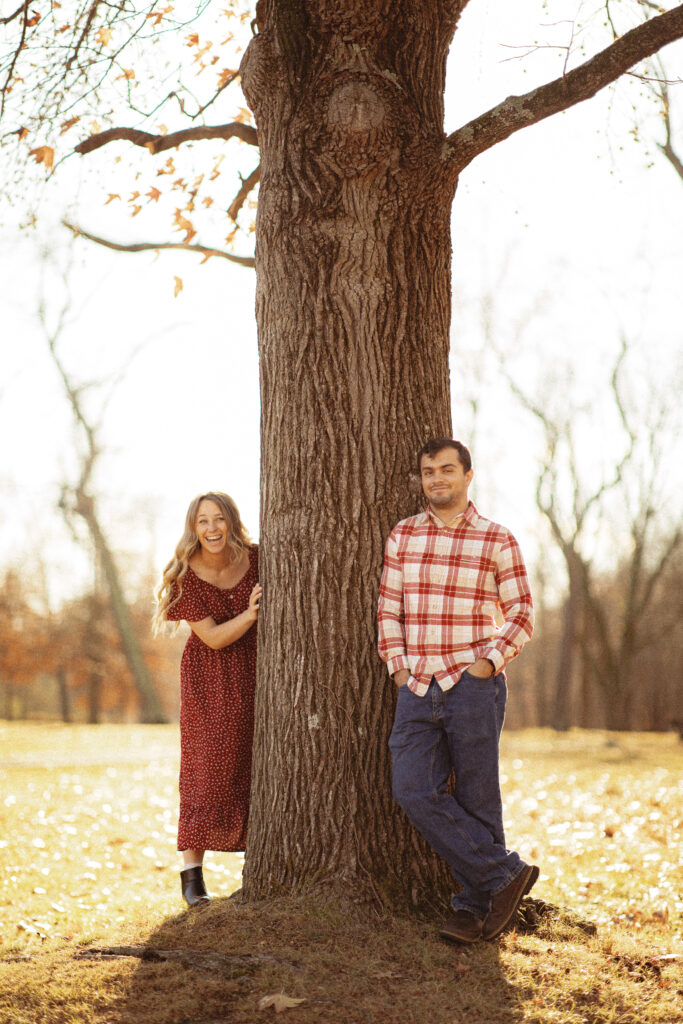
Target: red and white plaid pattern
[[442, 593]]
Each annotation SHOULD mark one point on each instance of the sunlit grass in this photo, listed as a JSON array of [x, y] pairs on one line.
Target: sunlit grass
[[602, 814], [87, 856], [88, 819]]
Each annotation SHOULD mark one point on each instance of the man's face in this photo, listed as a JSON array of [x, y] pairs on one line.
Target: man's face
[[444, 481]]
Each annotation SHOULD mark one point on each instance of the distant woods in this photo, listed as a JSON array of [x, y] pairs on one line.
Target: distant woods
[[69, 664]]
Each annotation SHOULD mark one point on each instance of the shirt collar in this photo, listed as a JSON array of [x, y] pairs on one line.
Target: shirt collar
[[469, 517]]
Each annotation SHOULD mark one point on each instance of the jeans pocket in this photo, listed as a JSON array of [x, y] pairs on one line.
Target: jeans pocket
[[481, 682]]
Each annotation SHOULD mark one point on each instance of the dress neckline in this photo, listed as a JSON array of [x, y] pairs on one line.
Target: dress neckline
[[215, 585]]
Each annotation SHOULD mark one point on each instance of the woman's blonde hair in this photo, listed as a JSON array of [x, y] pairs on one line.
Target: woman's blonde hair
[[238, 542]]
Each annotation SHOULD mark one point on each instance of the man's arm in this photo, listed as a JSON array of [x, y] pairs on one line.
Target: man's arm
[[516, 605], [390, 621]]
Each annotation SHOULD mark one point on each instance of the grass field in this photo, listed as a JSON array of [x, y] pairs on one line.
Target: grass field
[[88, 862]]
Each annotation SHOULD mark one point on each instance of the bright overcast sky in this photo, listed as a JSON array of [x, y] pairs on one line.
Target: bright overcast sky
[[566, 218]]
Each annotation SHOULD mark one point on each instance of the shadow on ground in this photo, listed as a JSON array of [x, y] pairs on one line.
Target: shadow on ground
[[334, 962]]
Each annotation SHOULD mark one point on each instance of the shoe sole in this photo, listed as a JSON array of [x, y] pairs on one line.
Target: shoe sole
[[459, 938], [534, 872]]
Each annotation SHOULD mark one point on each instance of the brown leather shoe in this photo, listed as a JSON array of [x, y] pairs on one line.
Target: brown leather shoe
[[505, 903], [462, 927]]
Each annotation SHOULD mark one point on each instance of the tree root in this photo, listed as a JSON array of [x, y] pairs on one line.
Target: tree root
[[226, 964]]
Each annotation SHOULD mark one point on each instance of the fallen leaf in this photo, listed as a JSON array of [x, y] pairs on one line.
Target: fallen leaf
[[279, 1002]]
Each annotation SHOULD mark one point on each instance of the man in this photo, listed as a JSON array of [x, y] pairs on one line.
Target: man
[[447, 573]]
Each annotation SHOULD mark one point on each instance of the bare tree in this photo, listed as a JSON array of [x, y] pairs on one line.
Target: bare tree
[[596, 636], [78, 502]]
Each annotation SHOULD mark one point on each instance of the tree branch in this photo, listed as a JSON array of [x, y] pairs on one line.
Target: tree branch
[[667, 147], [203, 250], [158, 143], [21, 9], [247, 185], [580, 84]]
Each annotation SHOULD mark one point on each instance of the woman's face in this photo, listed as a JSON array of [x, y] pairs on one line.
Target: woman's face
[[211, 527]]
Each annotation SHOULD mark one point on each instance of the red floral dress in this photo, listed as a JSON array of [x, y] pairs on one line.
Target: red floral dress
[[216, 717]]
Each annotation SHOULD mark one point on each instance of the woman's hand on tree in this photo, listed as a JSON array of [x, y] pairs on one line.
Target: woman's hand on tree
[[255, 601]]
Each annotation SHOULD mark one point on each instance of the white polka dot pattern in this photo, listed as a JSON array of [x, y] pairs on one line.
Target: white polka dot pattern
[[216, 718]]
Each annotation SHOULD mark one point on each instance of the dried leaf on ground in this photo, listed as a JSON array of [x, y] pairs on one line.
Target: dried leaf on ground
[[279, 1001]]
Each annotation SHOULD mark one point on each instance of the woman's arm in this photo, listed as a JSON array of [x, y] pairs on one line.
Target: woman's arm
[[219, 636]]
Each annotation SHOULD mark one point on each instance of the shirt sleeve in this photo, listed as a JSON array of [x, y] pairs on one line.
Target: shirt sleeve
[[190, 607], [515, 603], [390, 626]]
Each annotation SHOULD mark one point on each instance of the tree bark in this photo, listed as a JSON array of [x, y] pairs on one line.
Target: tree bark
[[563, 702], [63, 694], [353, 309]]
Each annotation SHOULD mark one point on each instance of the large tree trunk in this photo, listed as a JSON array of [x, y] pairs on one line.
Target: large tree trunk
[[353, 309]]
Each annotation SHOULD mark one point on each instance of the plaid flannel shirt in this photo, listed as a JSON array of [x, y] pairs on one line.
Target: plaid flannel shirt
[[442, 588]]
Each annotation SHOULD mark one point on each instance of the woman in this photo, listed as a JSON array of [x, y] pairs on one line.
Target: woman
[[211, 583]]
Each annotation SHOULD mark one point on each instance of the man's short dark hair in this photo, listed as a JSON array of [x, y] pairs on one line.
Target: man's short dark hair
[[438, 444]]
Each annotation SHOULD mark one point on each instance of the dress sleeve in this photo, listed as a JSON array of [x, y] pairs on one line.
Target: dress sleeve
[[190, 606]]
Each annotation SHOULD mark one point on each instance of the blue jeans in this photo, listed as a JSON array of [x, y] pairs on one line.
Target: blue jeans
[[457, 729]]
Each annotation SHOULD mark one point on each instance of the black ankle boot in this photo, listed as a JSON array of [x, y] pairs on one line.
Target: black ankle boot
[[192, 884]]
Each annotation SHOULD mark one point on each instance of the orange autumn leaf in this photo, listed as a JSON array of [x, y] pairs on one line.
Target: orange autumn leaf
[[244, 116], [44, 155], [224, 77], [68, 124], [158, 15], [33, 20], [112, 196], [183, 224], [153, 195], [207, 201], [22, 133], [193, 40], [168, 168], [136, 210], [215, 173], [178, 287], [104, 36]]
